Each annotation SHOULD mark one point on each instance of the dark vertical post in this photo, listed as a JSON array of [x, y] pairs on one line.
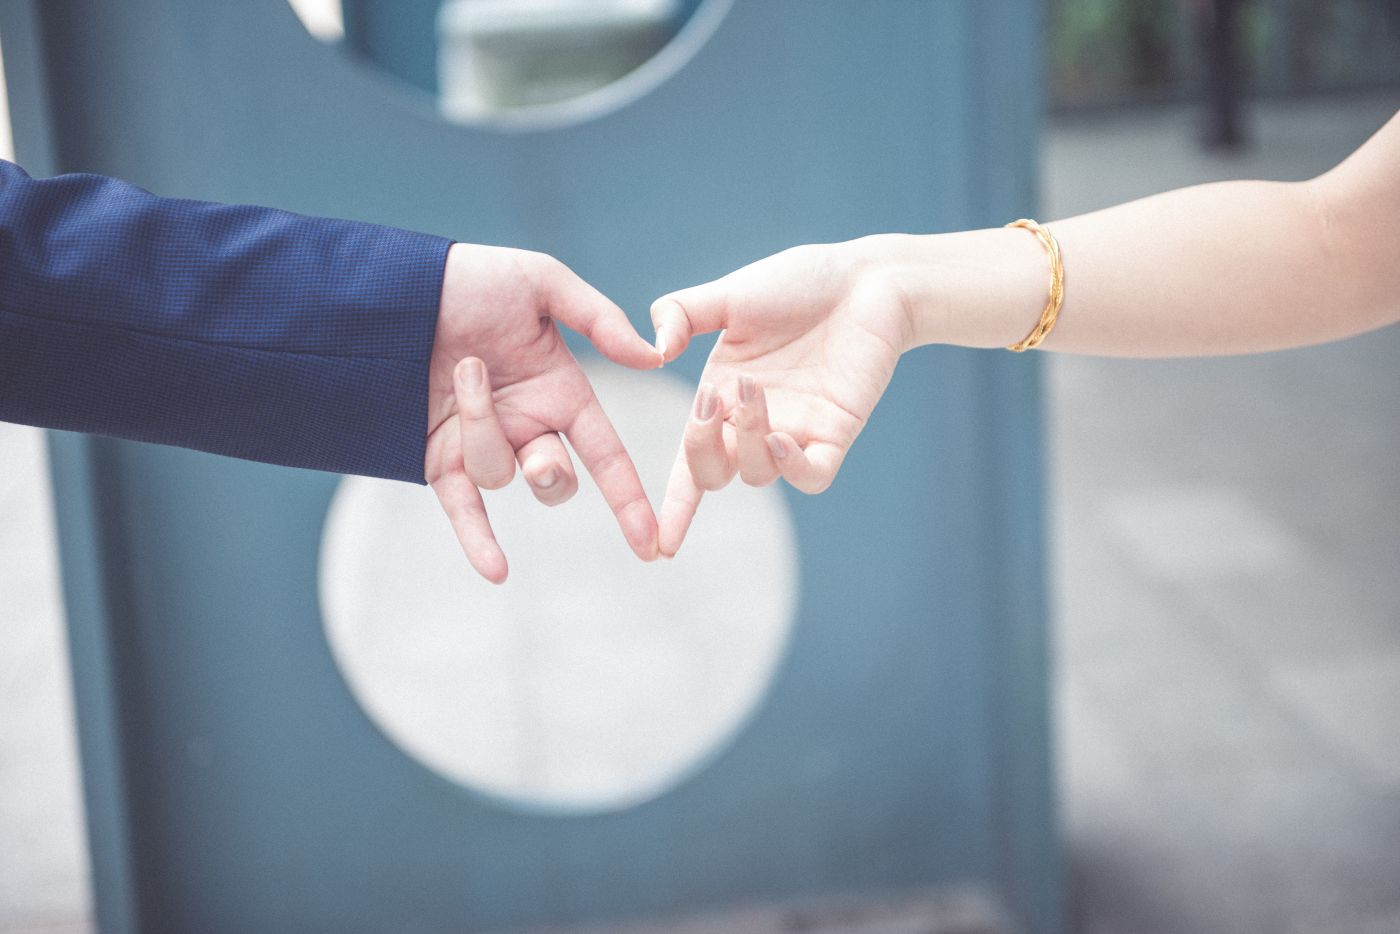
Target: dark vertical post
[[1224, 75]]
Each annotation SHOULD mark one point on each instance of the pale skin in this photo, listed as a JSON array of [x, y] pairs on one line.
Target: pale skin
[[812, 335], [503, 390]]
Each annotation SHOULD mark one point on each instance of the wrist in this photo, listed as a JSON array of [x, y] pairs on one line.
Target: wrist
[[442, 359], [976, 288]]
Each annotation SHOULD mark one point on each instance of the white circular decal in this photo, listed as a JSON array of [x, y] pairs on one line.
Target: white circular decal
[[589, 681]]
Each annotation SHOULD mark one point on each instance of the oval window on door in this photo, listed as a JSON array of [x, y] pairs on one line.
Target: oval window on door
[[590, 681], [517, 62]]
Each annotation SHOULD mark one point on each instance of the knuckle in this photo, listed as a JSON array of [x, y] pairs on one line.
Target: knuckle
[[476, 413], [611, 462], [495, 479], [752, 421], [563, 487], [708, 478], [637, 501], [757, 477], [552, 269], [552, 497], [537, 260], [559, 497]]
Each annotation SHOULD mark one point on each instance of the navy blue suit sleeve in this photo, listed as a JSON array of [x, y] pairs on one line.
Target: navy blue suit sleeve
[[243, 331]]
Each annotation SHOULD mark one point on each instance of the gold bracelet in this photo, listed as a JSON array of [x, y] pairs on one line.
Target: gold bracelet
[[1057, 285]]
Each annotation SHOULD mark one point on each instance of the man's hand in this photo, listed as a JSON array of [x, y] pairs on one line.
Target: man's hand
[[503, 387], [811, 338]]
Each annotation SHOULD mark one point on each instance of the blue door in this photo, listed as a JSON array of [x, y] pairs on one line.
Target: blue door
[[233, 780]]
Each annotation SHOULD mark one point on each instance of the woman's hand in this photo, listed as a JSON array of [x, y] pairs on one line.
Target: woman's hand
[[811, 335], [811, 338]]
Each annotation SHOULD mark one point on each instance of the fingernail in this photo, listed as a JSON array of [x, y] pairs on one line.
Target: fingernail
[[705, 402], [547, 479], [775, 444], [747, 389], [661, 343], [475, 375]]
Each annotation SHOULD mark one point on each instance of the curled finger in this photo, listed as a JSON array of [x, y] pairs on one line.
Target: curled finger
[[706, 448], [811, 469], [756, 464], [548, 469]]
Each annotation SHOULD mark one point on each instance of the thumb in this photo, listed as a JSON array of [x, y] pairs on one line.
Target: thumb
[[679, 316], [579, 306]]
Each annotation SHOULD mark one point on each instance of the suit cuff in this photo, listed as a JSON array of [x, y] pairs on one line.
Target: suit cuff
[[376, 416]]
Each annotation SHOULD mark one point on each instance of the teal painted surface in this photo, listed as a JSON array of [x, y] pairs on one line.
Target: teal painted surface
[[399, 35], [232, 781]]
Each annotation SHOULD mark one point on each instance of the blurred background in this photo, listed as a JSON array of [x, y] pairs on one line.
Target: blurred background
[[1224, 534]]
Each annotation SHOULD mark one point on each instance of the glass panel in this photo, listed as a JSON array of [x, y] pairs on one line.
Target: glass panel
[[483, 58]]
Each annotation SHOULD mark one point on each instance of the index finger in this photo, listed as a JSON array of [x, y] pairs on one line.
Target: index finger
[[588, 311], [678, 509], [596, 442]]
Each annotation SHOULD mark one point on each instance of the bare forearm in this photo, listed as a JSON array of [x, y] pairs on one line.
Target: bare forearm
[[1235, 267]]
